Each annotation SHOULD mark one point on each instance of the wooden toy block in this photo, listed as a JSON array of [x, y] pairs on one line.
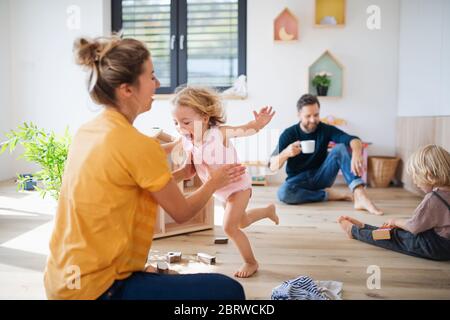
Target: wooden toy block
[[381, 234], [172, 257], [221, 240], [206, 258], [162, 267]]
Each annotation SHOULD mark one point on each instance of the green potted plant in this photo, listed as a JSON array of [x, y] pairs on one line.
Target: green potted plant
[[47, 150], [322, 82]]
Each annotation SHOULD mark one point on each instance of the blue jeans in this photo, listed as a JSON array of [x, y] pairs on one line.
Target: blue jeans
[[154, 286], [428, 244], [308, 186]]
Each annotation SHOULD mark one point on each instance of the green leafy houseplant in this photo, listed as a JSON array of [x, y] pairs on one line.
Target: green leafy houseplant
[[47, 150], [322, 82]]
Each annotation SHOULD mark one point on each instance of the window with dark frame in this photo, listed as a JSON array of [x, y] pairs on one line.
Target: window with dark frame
[[199, 42]]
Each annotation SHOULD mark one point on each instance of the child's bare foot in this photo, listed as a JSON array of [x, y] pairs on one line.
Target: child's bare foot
[[246, 270], [362, 202], [334, 195], [273, 214], [357, 223], [346, 226]]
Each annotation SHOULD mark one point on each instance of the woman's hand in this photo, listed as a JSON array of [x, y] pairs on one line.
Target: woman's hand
[[225, 175], [168, 147], [263, 117]]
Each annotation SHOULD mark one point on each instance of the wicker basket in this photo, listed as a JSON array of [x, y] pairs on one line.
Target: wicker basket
[[382, 171]]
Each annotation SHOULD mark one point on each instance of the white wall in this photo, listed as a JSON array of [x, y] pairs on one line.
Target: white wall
[[5, 90], [424, 69], [49, 89], [277, 73]]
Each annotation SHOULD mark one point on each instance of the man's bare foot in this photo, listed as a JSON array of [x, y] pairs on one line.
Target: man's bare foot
[[357, 223], [272, 215], [346, 226], [362, 202], [246, 270], [334, 195]]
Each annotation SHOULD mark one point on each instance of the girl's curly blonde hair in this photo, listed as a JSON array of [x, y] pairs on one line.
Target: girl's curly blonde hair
[[203, 100], [430, 165]]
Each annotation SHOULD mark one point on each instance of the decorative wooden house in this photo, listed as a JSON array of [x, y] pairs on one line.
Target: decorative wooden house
[[285, 26], [328, 64]]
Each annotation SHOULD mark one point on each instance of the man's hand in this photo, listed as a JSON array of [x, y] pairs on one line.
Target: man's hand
[[357, 164], [293, 149]]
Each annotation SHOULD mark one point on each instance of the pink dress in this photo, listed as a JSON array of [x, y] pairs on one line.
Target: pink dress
[[214, 154]]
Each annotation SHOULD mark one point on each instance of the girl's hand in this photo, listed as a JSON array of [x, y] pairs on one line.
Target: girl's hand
[[225, 175], [263, 117]]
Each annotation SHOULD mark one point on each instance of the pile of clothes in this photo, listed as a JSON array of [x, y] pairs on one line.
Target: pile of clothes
[[305, 288]]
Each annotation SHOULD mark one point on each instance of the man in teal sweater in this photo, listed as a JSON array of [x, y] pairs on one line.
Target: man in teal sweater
[[311, 175]]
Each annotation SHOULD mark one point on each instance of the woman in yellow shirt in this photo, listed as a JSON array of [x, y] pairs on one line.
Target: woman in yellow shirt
[[113, 181]]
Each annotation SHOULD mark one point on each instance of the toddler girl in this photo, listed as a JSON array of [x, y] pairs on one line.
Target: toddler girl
[[199, 117]]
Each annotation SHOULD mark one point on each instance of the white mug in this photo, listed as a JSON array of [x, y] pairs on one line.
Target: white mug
[[308, 146]]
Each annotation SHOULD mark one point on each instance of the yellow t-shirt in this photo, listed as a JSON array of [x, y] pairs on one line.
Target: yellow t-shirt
[[106, 214]]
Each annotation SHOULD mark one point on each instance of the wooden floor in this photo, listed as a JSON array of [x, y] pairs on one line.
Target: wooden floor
[[308, 241]]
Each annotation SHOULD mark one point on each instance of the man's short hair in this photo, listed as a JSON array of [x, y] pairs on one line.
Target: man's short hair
[[307, 100]]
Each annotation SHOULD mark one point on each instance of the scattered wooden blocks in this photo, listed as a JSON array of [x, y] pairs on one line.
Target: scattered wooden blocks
[[206, 258], [221, 240], [381, 234], [172, 257], [162, 267]]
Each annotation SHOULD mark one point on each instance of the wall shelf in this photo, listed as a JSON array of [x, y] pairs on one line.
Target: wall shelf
[[328, 63], [330, 13], [285, 27]]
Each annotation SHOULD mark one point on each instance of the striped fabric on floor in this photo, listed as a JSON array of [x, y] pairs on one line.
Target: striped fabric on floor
[[301, 288]]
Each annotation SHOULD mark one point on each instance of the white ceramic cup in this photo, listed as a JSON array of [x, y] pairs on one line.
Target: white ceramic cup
[[308, 146]]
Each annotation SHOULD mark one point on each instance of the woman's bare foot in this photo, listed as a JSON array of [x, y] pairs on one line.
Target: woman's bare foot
[[362, 202], [334, 195], [357, 223], [246, 270], [346, 226], [272, 214]]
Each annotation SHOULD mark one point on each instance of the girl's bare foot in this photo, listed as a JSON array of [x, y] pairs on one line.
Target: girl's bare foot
[[334, 195], [272, 215], [346, 226], [357, 223], [246, 270], [362, 202]]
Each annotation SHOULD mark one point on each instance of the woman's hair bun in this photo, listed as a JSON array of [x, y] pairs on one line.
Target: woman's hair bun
[[86, 51]]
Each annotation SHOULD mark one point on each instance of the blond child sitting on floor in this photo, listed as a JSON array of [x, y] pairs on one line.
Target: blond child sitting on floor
[[427, 233], [199, 117]]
